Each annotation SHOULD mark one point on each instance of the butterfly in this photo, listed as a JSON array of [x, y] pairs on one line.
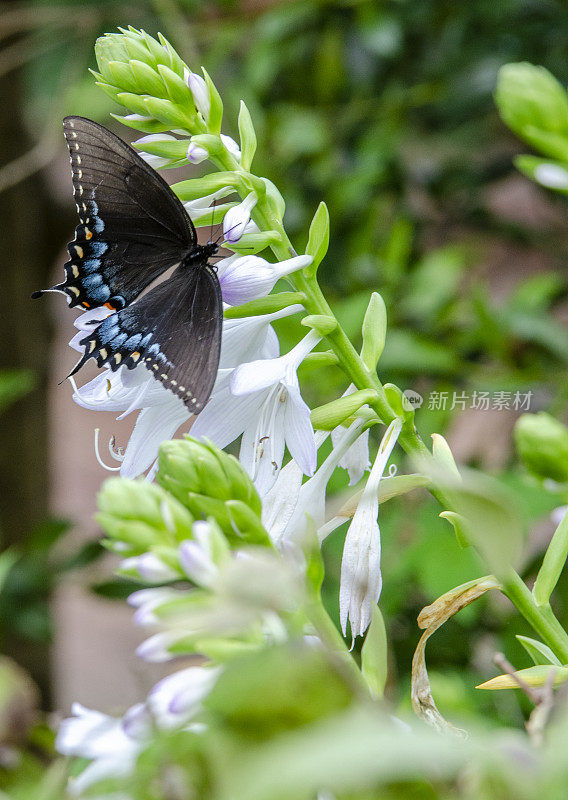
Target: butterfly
[[132, 229]]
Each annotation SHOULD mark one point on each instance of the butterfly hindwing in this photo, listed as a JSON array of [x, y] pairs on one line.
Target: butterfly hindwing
[[132, 227], [175, 330]]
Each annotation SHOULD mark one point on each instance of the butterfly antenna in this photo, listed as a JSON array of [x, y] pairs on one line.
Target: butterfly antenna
[[41, 292]]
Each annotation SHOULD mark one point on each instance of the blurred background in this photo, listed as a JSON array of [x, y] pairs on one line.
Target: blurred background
[[384, 110]]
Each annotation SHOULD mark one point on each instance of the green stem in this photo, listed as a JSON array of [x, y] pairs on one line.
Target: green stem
[[541, 618]]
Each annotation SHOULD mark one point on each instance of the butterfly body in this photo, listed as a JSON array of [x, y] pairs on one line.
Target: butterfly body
[[132, 230]]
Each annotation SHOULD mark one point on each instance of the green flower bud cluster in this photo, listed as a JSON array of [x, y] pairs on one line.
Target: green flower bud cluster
[[141, 518], [535, 106], [147, 77], [542, 443], [211, 483]]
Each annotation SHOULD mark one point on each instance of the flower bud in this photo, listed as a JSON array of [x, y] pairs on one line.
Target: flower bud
[[238, 218], [534, 105], [245, 278], [141, 515], [196, 154], [204, 479], [542, 443], [148, 567]]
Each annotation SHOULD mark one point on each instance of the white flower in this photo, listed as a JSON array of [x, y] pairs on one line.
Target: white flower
[[146, 601], [200, 93], [236, 219], [245, 278], [96, 736], [196, 154], [271, 413], [157, 162], [244, 339], [149, 567], [178, 698], [196, 207], [113, 745], [361, 579], [356, 459], [162, 412], [285, 519]]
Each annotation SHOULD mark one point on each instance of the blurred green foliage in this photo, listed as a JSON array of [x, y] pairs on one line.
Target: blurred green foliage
[[385, 111]]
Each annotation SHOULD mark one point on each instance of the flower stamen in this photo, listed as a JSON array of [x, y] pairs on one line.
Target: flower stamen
[[98, 455]]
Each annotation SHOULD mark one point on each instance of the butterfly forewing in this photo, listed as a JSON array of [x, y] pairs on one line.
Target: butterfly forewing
[[175, 330], [132, 228]]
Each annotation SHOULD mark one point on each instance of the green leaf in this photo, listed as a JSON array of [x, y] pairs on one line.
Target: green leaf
[[443, 454], [490, 513], [277, 689], [460, 526], [247, 136], [433, 284], [536, 677], [552, 565], [530, 99], [542, 444], [374, 331], [318, 239], [374, 655], [538, 651]]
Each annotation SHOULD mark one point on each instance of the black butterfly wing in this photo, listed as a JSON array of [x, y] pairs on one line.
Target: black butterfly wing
[[175, 329], [132, 227]]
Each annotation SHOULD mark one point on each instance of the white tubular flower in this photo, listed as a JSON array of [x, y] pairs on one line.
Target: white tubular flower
[[149, 568], [356, 459], [200, 93], [113, 744], [176, 699], [361, 579], [225, 416], [196, 154], [145, 601], [231, 146], [245, 278], [237, 218], [196, 207], [157, 162], [273, 413], [100, 738], [291, 526]]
